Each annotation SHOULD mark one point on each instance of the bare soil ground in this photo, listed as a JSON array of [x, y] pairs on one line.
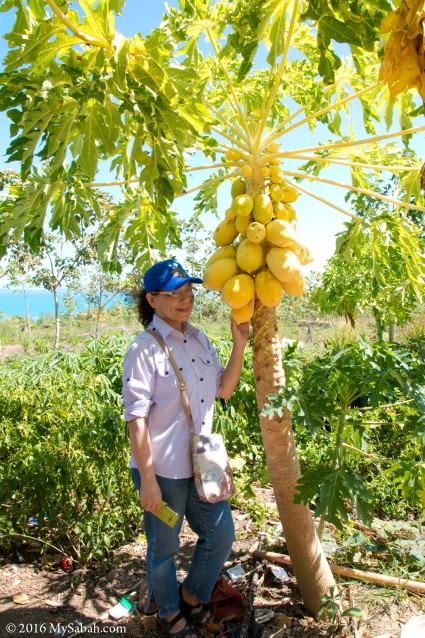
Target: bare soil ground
[[56, 602]]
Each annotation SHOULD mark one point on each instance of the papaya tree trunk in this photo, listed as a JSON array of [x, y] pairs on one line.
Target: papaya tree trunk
[[311, 568]]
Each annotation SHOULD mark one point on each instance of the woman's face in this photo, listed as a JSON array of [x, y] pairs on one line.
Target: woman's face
[[175, 306]]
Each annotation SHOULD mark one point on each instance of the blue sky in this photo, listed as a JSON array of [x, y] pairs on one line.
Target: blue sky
[[317, 223]]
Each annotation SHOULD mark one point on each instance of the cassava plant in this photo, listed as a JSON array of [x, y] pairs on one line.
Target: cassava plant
[[78, 92]]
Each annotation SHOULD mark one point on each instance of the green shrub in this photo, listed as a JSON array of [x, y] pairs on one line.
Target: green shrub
[[64, 450], [358, 414]]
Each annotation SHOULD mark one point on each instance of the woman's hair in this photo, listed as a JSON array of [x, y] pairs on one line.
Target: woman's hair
[[144, 309]]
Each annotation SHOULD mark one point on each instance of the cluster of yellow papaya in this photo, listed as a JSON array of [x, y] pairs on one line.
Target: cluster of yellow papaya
[[257, 252]]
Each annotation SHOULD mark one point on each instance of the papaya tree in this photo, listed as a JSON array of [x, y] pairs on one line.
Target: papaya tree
[[372, 274], [234, 82]]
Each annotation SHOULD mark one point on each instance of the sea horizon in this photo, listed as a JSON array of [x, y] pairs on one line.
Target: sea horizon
[[40, 302]]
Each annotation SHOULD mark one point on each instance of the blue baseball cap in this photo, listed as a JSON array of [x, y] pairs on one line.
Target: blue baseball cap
[[167, 275]]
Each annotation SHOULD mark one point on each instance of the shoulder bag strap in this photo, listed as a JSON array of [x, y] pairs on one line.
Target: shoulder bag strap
[[182, 382]]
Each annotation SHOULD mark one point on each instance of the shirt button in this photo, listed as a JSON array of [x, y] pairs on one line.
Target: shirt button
[[207, 361], [180, 369], [202, 400], [203, 422], [166, 372], [193, 360], [201, 379], [184, 340]]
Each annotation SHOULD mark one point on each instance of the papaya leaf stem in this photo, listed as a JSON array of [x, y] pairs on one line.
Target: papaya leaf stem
[[357, 189], [210, 182], [236, 142], [375, 138], [327, 202], [208, 166], [378, 167], [236, 106], [86, 37], [278, 132], [275, 89], [122, 182], [366, 454], [240, 133]]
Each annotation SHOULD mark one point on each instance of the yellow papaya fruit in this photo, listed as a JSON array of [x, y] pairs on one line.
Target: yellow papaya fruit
[[275, 161], [249, 256], [246, 170], [274, 147], [265, 171], [280, 211], [233, 155], [225, 232], [229, 213], [290, 194], [276, 175], [268, 289], [240, 315], [302, 252], [276, 193], [238, 188], [294, 288], [256, 232], [283, 264], [242, 224], [225, 252], [216, 275], [280, 233], [283, 210], [262, 209], [242, 205], [238, 291]]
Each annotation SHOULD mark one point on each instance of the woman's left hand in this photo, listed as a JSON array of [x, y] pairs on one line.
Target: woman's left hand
[[240, 332]]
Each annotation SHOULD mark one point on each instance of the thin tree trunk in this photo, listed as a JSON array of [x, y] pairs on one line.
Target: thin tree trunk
[[392, 329], [89, 318], [310, 565], [378, 323], [99, 309], [27, 312], [56, 300]]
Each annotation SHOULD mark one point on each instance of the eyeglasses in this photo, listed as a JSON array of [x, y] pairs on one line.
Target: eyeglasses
[[175, 294]]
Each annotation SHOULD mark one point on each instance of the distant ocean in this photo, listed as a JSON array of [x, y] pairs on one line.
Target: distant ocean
[[40, 301]]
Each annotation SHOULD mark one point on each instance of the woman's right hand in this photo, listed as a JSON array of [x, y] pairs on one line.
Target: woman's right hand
[[151, 496]]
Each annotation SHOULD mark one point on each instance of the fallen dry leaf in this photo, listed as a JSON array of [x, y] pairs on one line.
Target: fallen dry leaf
[[20, 599]]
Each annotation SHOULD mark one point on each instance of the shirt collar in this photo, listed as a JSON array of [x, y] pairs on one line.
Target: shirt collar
[[165, 329]]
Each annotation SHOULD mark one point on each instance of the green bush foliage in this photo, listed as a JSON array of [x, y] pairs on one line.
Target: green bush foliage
[[64, 450], [359, 413], [239, 424]]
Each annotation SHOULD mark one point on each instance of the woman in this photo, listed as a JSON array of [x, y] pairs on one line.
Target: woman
[[159, 437]]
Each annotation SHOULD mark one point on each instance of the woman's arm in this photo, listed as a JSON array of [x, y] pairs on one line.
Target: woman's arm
[[232, 373], [150, 493]]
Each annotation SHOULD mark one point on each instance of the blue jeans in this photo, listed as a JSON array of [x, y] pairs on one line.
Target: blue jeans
[[213, 524]]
